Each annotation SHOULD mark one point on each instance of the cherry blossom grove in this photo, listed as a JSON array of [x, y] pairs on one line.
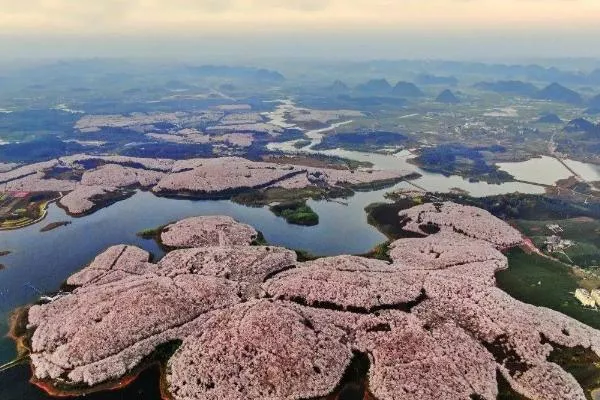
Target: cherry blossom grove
[[255, 323], [89, 182]]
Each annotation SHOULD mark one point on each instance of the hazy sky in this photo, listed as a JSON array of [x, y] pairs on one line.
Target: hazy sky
[[520, 27]]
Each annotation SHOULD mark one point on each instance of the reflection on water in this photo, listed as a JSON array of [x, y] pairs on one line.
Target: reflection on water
[[14, 385], [545, 170], [429, 181], [589, 172]]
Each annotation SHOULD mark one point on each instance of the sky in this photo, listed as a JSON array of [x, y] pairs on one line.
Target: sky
[[363, 28]]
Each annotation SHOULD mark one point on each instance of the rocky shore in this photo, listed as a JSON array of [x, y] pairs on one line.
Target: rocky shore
[[255, 323]]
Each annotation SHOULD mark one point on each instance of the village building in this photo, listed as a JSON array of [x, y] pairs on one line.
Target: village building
[[585, 298]]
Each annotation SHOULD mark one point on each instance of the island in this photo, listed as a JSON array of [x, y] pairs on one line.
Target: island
[[296, 213], [234, 320], [55, 225], [88, 183]]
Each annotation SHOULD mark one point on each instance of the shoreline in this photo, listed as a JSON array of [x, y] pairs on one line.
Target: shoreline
[[107, 201], [22, 336], [51, 390], [42, 216], [17, 330]]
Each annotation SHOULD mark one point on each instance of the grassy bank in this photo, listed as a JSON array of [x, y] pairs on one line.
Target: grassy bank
[[537, 280]]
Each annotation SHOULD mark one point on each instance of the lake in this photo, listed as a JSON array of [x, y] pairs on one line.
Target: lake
[[40, 262]]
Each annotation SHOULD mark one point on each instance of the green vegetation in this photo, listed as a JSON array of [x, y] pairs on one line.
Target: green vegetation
[[583, 232], [165, 351], [363, 141], [383, 184], [316, 160], [296, 212], [38, 124], [531, 278], [384, 216], [580, 222], [540, 281], [580, 362], [260, 240], [380, 252], [505, 392], [458, 159], [304, 256], [261, 198], [152, 233], [21, 211]]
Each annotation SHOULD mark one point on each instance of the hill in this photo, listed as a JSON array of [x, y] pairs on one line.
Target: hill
[[582, 125], [509, 87], [265, 75], [407, 89], [375, 86], [338, 87], [447, 97], [247, 73], [557, 92], [549, 119]]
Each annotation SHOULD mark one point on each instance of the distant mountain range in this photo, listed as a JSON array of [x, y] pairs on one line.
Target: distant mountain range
[[339, 87], [403, 89], [557, 92], [380, 86], [524, 72], [549, 119], [407, 89], [553, 92], [582, 125], [447, 97], [508, 87], [248, 73]]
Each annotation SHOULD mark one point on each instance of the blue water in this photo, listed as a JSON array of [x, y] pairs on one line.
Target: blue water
[[40, 262]]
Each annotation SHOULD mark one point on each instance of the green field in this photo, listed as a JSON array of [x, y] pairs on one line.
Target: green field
[[542, 282], [584, 232]]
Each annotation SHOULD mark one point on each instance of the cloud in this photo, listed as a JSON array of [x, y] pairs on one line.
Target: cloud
[[242, 16]]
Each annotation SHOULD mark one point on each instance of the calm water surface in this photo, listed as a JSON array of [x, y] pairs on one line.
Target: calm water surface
[[14, 385], [589, 172], [545, 170], [40, 262]]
